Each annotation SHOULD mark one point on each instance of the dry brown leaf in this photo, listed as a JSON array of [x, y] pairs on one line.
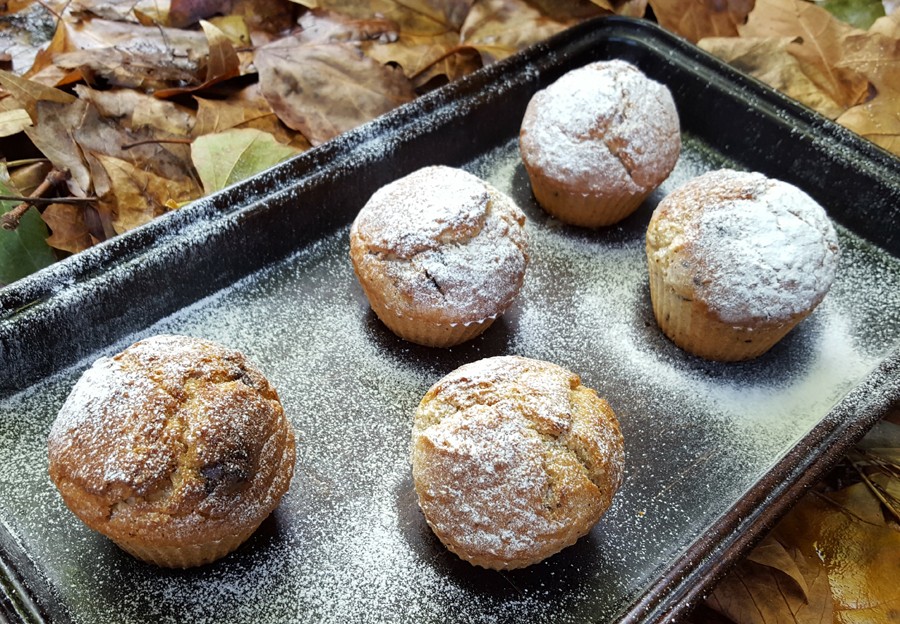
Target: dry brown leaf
[[323, 90], [698, 19], [762, 591], [860, 551], [413, 17], [499, 28], [26, 179], [28, 94], [135, 196], [630, 8], [251, 110], [768, 60], [69, 231], [222, 63], [52, 134], [570, 11], [817, 44], [14, 121]]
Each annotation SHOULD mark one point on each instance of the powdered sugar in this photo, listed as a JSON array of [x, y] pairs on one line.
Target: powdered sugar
[[440, 245], [603, 125], [753, 249]]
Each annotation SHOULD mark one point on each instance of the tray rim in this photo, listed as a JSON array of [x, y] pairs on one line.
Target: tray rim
[[678, 587]]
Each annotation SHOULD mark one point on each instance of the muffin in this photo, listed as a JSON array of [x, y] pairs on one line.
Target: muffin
[[513, 460], [440, 254], [598, 141], [736, 260], [176, 449]]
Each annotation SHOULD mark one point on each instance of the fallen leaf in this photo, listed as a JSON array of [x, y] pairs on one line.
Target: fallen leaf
[[227, 157], [572, 11], [26, 179], [414, 17], [762, 591], [186, 12], [24, 29], [135, 196], [769, 60], [23, 250], [69, 232], [222, 63], [53, 135], [816, 42], [323, 90], [249, 110], [138, 111], [858, 13], [28, 93], [13, 121], [130, 54], [847, 530], [499, 28], [696, 20]]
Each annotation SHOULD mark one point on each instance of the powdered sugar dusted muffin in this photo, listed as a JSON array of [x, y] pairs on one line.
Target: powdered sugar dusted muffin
[[440, 255], [736, 260], [176, 449], [598, 141], [513, 460]]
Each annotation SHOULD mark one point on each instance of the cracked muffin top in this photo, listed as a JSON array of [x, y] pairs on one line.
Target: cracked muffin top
[[439, 246], [604, 128], [746, 247], [174, 441], [513, 460]]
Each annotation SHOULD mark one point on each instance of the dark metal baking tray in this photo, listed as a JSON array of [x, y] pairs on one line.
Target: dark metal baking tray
[[715, 452]]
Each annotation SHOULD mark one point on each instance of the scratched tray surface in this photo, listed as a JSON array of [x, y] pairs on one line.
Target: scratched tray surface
[[348, 543]]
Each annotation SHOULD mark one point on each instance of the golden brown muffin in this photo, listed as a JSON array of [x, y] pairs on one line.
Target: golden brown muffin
[[736, 260], [440, 255], [513, 460], [176, 449], [598, 141]]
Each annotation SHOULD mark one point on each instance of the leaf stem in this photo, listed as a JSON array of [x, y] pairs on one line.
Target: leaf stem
[[151, 141]]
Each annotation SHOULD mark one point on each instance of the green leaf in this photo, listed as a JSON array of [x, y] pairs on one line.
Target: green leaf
[[223, 158], [23, 250], [859, 13]]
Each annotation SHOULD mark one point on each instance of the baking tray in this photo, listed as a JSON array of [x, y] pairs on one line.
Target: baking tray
[[715, 452]]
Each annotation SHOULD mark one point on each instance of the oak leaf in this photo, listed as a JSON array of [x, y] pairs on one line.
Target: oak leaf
[[705, 18], [227, 157], [323, 90]]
